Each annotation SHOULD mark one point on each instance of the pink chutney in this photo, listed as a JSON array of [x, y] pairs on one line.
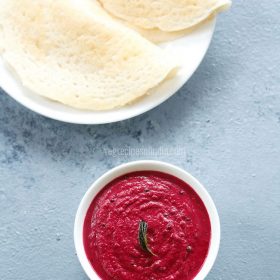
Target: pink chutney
[[179, 229]]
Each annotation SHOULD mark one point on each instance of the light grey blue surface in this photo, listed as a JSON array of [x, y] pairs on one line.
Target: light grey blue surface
[[226, 121]]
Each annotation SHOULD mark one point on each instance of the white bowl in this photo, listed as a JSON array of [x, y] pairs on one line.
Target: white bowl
[[190, 50], [142, 166]]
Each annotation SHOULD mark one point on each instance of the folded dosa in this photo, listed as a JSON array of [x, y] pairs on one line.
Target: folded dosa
[[65, 52], [165, 15]]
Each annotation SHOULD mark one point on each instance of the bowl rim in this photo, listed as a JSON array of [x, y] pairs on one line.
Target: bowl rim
[[147, 165]]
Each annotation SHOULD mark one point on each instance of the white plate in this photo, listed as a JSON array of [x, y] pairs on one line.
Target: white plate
[[190, 50]]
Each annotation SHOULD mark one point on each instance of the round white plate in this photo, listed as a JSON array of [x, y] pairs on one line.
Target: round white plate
[[190, 50]]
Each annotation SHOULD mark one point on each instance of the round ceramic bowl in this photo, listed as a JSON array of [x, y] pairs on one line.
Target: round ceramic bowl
[[145, 166]]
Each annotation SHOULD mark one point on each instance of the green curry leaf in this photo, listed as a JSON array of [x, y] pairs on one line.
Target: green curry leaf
[[142, 237]]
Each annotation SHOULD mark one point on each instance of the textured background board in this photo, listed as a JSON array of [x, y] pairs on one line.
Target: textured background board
[[223, 126]]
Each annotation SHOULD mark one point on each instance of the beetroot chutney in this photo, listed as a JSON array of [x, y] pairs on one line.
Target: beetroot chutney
[[178, 233]]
